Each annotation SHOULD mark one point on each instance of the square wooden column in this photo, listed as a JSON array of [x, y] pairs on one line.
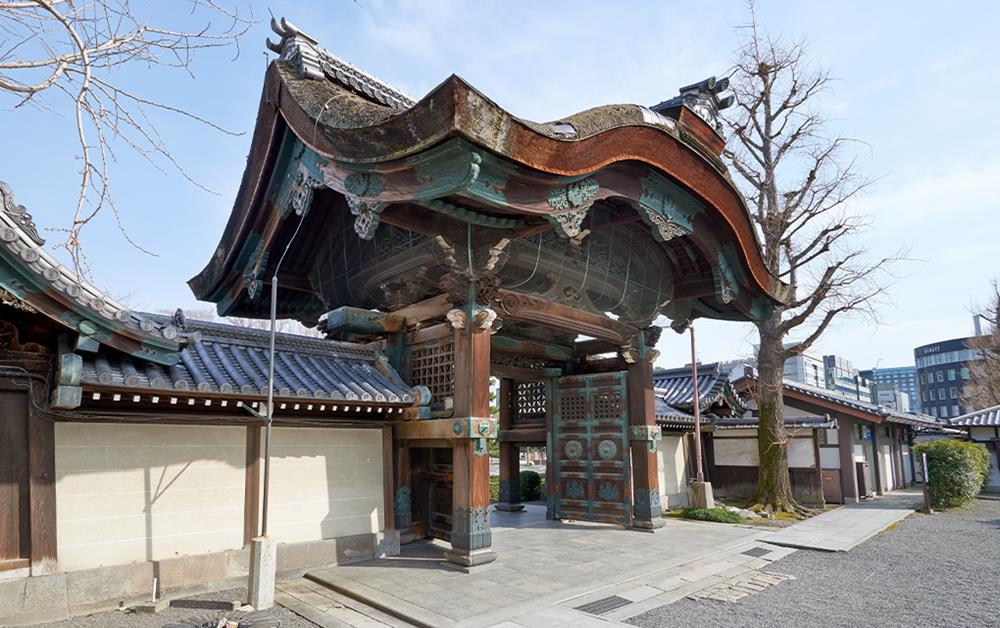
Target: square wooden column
[[510, 463], [848, 470], [643, 434], [470, 518]]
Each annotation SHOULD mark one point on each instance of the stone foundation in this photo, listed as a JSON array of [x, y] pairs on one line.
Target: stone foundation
[[40, 599]]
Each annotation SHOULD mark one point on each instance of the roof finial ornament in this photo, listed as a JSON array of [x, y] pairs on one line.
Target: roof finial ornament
[[703, 99], [296, 48], [179, 320], [18, 214]]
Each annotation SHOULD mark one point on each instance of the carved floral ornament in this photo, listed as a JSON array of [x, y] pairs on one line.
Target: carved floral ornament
[[574, 201]]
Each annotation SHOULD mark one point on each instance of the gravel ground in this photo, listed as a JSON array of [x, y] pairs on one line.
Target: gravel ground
[[939, 570], [119, 619]]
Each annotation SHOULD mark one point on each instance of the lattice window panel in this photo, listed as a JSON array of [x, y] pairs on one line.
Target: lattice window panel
[[530, 403], [573, 407], [501, 358], [607, 405], [434, 367]]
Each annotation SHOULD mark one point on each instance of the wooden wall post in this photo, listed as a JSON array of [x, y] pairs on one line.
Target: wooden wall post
[[510, 463], [848, 470], [251, 486], [42, 490], [470, 519], [877, 461], [643, 432]]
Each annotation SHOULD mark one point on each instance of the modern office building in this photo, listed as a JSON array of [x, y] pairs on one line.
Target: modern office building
[[943, 375], [842, 377], [806, 369], [886, 382]]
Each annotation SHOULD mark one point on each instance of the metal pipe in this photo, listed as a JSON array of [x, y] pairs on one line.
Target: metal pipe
[[699, 474], [270, 405]]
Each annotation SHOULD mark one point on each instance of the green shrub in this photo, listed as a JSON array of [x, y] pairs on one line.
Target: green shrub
[[957, 470], [494, 488], [531, 486], [717, 514]]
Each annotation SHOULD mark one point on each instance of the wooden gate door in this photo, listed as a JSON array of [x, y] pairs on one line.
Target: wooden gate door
[[15, 535], [590, 448]]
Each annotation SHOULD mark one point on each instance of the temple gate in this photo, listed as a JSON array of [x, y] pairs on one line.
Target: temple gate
[[470, 243]]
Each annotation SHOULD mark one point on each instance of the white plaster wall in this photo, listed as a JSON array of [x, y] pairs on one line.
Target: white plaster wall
[[127, 493], [801, 453], [829, 458], [907, 468], [885, 467], [982, 433], [325, 483], [736, 452], [672, 471]]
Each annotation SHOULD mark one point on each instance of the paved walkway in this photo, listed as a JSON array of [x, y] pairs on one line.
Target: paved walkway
[[551, 573], [843, 528]]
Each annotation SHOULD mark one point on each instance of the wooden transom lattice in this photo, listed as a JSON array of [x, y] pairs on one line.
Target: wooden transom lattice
[[530, 403], [433, 366]]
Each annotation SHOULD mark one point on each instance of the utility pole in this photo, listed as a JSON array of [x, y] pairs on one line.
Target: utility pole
[[701, 491]]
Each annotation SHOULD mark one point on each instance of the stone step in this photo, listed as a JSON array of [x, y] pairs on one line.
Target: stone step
[[329, 609], [386, 603]]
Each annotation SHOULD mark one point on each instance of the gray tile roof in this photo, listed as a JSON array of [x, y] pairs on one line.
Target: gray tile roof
[[234, 360], [988, 417], [791, 422], [893, 416], [675, 387]]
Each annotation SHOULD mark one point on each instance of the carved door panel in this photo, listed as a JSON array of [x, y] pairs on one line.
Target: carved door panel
[[590, 442]]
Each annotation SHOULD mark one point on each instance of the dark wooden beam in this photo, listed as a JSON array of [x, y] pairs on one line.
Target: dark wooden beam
[[594, 347], [42, 491], [514, 372], [251, 486], [434, 332], [355, 320], [536, 310], [531, 348], [529, 435], [429, 309]]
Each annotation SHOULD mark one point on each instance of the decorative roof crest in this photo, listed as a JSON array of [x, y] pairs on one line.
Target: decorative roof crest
[[18, 214], [313, 62], [703, 99]]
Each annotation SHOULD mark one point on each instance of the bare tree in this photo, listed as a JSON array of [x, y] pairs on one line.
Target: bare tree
[[799, 182], [282, 325], [985, 384], [66, 56]]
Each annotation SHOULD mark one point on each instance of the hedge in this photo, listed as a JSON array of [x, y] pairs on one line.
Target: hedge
[[531, 486], [494, 488], [717, 514], [957, 470]]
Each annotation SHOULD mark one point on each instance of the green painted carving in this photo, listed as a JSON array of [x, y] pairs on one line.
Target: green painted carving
[[365, 184], [607, 450], [669, 201], [446, 169], [573, 450], [608, 491], [573, 200], [476, 218], [728, 273], [647, 504], [574, 489], [470, 528], [366, 215]]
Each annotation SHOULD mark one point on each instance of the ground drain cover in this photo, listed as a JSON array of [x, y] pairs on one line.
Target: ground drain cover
[[603, 605], [756, 552]]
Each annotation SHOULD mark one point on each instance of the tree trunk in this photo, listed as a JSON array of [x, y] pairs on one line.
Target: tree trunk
[[774, 489]]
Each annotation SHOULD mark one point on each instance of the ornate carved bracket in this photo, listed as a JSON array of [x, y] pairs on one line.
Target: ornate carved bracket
[[531, 309], [483, 319], [478, 429], [574, 201]]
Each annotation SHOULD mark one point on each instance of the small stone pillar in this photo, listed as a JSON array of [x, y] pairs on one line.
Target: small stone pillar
[[263, 564]]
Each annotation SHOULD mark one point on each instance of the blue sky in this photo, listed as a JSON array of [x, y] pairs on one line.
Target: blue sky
[[915, 83]]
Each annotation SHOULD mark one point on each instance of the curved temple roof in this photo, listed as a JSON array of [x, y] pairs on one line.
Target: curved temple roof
[[376, 147], [30, 275]]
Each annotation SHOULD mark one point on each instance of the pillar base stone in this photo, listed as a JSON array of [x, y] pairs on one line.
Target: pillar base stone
[[466, 560], [263, 564], [509, 507], [701, 495], [648, 525]]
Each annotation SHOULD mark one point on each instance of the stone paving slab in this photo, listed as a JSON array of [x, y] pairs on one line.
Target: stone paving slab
[[844, 528], [541, 565]]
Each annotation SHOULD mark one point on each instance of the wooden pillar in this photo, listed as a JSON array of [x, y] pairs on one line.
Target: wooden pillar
[[551, 390], [819, 467], [388, 481], [848, 470], [42, 492], [643, 434], [877, 461], [510, 464], [403, 498], [470, 519], [251, 486]]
